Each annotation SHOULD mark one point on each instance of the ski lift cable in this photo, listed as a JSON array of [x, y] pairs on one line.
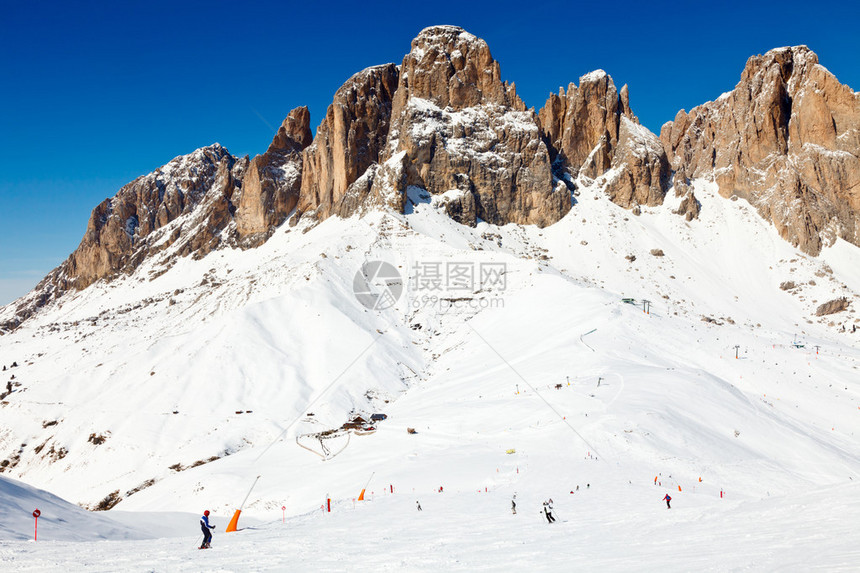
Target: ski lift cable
[[317, 399], [526, 382]]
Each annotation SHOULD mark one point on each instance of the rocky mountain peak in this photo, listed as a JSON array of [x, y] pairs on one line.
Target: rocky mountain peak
[[579, 120], [273, 180], [787, 139], [450, 67], [456, 126], [295, 132], [155, 212], [785, 62], [348, 141], [592, 131]]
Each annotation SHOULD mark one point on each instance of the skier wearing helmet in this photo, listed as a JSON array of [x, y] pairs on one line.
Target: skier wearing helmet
[[204, 525]]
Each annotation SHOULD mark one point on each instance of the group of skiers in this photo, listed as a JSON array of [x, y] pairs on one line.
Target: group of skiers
[[547, 508], [547, 512]]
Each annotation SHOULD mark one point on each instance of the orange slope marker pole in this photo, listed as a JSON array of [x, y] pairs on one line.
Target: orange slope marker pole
[[361, 495], [234, 522]]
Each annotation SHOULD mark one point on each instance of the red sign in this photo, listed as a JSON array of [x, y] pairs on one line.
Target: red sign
[[37, 513], [284, 507]]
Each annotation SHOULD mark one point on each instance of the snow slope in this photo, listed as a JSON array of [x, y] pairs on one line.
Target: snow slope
[[176, 389], [59, 519]]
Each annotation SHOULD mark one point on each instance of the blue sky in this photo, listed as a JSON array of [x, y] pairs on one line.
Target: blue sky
[[94, 94]]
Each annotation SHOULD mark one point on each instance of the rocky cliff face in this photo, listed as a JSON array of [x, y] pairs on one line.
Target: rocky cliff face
[[156, 211], [445, 121], [186, 206], [592, 132], [787, 139], [465, 130], [273, 180], [348, 141]]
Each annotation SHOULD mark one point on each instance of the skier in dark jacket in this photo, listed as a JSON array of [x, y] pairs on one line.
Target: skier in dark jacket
[[668, 498], [547, 510], [204, 525]]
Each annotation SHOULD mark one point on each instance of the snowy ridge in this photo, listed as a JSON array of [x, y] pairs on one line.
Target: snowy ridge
[[171, 390], [276, 334], [593, 76]]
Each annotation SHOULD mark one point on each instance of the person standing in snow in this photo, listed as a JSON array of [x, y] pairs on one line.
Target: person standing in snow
[[204, 525], [547, 510], [514, 504], [418, 503], [668, 499]]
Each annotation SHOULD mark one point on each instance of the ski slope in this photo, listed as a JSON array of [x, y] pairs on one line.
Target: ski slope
[[195, 380]]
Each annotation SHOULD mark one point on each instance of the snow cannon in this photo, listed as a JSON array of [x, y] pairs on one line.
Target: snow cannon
[[364, 489], [234, 521]]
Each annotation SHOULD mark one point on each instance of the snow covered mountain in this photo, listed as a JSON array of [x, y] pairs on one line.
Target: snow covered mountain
[[203, 334]]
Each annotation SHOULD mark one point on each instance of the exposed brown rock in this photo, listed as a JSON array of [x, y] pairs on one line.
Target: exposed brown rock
[[273, 180], [787, 139], [124, 229], [182, 208], [832, 307], [592, 131], [349, 140], [586, 119], [689, 206], [640, 171], [464, 129]]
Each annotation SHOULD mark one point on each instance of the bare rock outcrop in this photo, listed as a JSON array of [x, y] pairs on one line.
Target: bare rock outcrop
[[592, 131], [183, 207], [787, 139], [832, 306], [640, 171], [348, 141], [583, 124], [464, 129], [689, 206], [273, 180], [154, 212]]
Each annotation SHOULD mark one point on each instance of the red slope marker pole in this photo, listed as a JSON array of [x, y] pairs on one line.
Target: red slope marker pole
[[36, 514]]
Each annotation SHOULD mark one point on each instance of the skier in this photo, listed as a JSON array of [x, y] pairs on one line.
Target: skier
[[514, 504], [668, 498], [419, 505], [547, 510], [204, 525]]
